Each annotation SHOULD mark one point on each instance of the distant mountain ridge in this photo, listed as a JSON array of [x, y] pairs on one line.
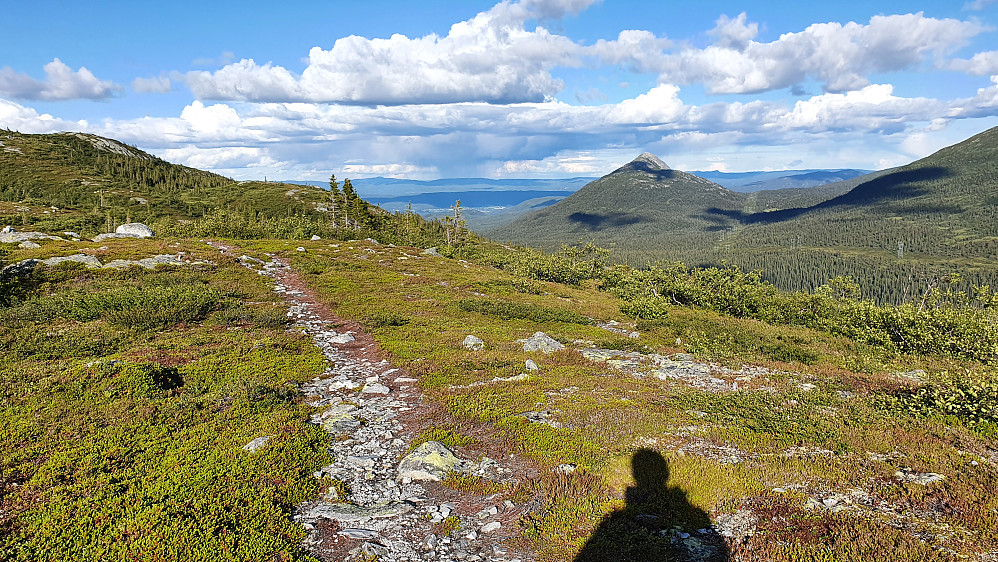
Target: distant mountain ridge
[[747, 182]]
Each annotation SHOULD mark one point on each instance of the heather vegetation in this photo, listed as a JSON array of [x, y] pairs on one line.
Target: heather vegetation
[[827, 419], [127, 396]]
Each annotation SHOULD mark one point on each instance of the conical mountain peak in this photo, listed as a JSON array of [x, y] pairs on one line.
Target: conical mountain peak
[[649, 162]]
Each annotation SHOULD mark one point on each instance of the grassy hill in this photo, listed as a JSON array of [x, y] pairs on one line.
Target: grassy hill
[[89, 184], [897, 231]]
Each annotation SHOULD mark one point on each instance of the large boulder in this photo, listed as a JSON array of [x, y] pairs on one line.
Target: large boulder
[[19, 269], [127, 230], [430, 461], [136, 229]]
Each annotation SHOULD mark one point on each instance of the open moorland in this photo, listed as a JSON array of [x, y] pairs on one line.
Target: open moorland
[[253, 384]]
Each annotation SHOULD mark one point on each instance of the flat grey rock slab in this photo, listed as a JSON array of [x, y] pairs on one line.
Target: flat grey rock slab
[[345, 512], [360, 534], [10, 237], [86, 260]]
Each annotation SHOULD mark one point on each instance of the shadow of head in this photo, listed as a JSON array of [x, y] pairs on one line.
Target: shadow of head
[[650, 469]]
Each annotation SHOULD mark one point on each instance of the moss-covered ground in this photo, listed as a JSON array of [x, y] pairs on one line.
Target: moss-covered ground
[[127, 396]]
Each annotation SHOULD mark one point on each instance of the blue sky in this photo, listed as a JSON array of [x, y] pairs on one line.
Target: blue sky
[[524, 88]]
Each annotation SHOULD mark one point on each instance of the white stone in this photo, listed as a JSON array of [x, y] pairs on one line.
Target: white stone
[[345, 337], [257, 443], [473, 343], [541, 342], [375, 388], [135, 229]]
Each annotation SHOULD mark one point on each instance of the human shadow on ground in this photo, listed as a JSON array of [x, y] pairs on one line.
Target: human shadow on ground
[[658, 523]]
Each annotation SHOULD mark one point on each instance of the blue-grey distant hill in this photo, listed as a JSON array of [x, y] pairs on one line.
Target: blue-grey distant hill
[[747, 182]]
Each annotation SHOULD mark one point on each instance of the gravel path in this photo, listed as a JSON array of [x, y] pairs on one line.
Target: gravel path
[[361, 399]]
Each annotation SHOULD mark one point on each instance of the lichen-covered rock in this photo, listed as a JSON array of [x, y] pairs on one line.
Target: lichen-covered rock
[[430, 461], [345, 512], [345, 337], [473, 343], [375, 388], [19, 269], [110, 236], [28, 245], [541, 342], [923, 478], [340, 423], [86, 260], [128, 230], [148, 263]]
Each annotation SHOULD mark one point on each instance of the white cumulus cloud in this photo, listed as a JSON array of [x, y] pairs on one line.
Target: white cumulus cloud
[[17, 117], [492, 57], [839, 55], [61, 83]]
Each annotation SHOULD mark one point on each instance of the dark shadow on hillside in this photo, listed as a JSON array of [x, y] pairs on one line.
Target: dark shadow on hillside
[[644, 531], [896, 186], [596, 221]]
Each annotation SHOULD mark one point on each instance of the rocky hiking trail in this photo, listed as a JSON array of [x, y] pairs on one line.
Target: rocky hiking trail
[[395, 509]]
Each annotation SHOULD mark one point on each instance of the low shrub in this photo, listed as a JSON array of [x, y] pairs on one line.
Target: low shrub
[[509, 310]]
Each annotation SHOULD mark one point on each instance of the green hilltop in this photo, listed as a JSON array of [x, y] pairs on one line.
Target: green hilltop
[[88, 184]]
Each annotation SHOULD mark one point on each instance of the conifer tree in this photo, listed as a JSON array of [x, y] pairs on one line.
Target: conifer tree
[[334, 193]]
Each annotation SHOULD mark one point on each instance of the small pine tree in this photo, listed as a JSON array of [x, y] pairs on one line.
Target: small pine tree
[[334, 194]]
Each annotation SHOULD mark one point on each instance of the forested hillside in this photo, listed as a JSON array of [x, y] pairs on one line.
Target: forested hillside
[[897, 232]]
